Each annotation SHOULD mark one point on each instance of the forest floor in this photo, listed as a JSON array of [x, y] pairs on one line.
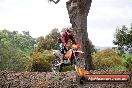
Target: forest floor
[[11, 79]]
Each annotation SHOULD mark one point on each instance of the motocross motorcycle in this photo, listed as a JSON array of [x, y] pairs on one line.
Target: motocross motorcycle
[[71, 58]]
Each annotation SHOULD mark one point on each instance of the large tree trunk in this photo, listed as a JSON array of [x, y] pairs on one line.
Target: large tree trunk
[[78, 11]]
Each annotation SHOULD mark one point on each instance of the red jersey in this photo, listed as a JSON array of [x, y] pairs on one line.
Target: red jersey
[[65, 37]]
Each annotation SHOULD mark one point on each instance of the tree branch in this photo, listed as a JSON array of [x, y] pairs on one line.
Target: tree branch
[[54, 1]]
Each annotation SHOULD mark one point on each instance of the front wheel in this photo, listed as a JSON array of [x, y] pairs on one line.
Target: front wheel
[[55, 65], [80, 62]]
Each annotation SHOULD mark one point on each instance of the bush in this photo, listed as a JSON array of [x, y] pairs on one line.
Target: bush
[[41, 66], [41, 61], [128, 61], [106, 59]]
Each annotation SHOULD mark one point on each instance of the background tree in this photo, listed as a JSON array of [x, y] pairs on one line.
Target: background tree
[[123, 39], [53, 36], [14, 50], [49, 42]]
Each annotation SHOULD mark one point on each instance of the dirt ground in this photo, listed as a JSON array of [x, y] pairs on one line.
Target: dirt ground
[[53, 80]]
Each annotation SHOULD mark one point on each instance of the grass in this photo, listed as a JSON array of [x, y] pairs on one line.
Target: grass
[[118, 68], [56, 78]]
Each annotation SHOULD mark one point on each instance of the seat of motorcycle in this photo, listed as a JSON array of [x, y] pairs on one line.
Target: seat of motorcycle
[[79, 51]]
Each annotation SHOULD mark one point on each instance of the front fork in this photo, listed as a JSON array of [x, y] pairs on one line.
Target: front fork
[[75, 61]]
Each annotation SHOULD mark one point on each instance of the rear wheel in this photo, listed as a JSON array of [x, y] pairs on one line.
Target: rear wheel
[[81, 80]]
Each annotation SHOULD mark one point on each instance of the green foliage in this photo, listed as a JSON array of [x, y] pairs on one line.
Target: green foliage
[[14, 48], [106, 59], [123, 38], [12, 59], [14, 39], [128, 61]]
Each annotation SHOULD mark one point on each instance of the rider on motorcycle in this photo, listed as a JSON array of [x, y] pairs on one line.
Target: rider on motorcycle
[[63, 40]]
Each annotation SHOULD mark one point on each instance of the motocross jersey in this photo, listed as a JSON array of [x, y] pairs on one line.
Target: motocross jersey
[[65, 37]]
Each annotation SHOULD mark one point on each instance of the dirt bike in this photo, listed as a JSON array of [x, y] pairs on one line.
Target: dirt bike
[[70, 58]]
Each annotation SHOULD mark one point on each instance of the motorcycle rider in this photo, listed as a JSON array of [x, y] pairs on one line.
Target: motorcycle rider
[[66, 35]]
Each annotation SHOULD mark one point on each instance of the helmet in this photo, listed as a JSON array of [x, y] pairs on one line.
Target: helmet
[[69, 30]]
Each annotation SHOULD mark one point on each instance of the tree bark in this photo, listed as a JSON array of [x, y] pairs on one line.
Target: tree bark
[[78, 11]]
